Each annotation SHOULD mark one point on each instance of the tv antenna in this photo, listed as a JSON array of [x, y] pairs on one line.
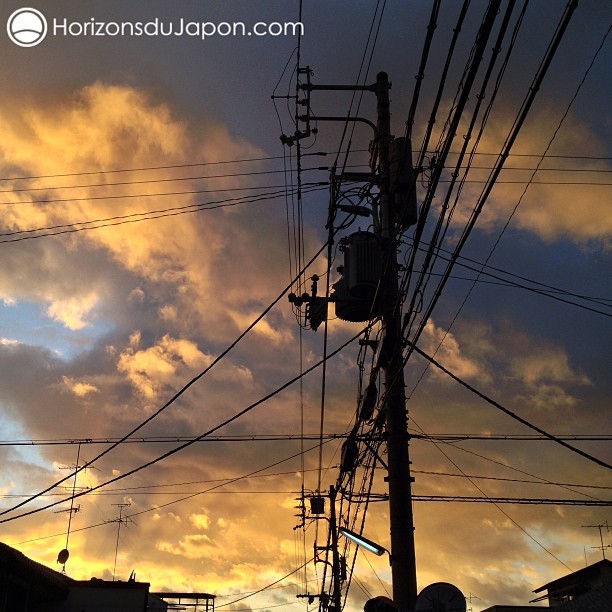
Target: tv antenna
[[602, 546], [120, 520], [63, 554]]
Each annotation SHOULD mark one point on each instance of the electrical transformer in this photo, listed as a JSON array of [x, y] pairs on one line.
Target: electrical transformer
[[356, 292]]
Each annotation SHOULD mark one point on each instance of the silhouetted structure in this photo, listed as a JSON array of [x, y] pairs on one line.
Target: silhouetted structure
[[29, 586]]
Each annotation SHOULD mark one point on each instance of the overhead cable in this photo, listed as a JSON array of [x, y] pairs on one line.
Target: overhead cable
[[509, 412]]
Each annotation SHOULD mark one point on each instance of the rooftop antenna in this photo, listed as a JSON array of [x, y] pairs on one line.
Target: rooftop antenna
[[120, 521], [469, 598], [63, 554], [602, 546]]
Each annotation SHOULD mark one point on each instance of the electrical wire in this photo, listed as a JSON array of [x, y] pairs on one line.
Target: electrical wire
[[518, 480], [511, 138], [179, 393], [102, 172], [144, 181], [137, 217], [509, 412], [514, 522], [446, 141], [447, 210], [220, 484], [175, 450], [431, 28], [140, 195], [447, 437], [266, 587], [529, 501], [360, 81]]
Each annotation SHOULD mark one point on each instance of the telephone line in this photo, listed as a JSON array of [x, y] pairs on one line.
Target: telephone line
[[522, 481], [532, 501], [149, 195], [147, 168], [254, 474]]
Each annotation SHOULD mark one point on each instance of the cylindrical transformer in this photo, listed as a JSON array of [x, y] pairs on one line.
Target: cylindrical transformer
[[362, 265]]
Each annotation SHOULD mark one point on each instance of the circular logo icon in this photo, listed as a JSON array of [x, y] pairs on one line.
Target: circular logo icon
[[27, 27]]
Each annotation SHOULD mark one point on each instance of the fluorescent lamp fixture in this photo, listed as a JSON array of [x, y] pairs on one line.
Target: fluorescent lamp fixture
[[377, 549]]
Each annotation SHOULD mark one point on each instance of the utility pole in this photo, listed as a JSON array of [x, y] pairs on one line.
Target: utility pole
[[391, 361], [403, 558]]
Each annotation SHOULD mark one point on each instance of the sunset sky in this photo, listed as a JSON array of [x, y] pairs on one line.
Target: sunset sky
[[147, 220]]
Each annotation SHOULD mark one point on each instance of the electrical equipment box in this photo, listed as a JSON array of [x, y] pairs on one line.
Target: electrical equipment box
[[402, 182], [348, 457], [317, 505]]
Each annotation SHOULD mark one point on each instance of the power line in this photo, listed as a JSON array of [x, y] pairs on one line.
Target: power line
[[498, 506], [178, 448], [144, 216], [147, 168], [517, 480], [257, 159], [549, 291], [267, 586], [253, 474], [531, 501], [447, 437], [494, 176], [503, 465], [509, 412], [145, 181], [148, 490], [180, 392], [142, 195]]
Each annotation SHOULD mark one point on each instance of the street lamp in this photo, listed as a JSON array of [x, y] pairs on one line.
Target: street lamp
[[360, 540]]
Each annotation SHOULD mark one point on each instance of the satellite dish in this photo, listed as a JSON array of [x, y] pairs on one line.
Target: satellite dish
[[62, 556], [440, 597]]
